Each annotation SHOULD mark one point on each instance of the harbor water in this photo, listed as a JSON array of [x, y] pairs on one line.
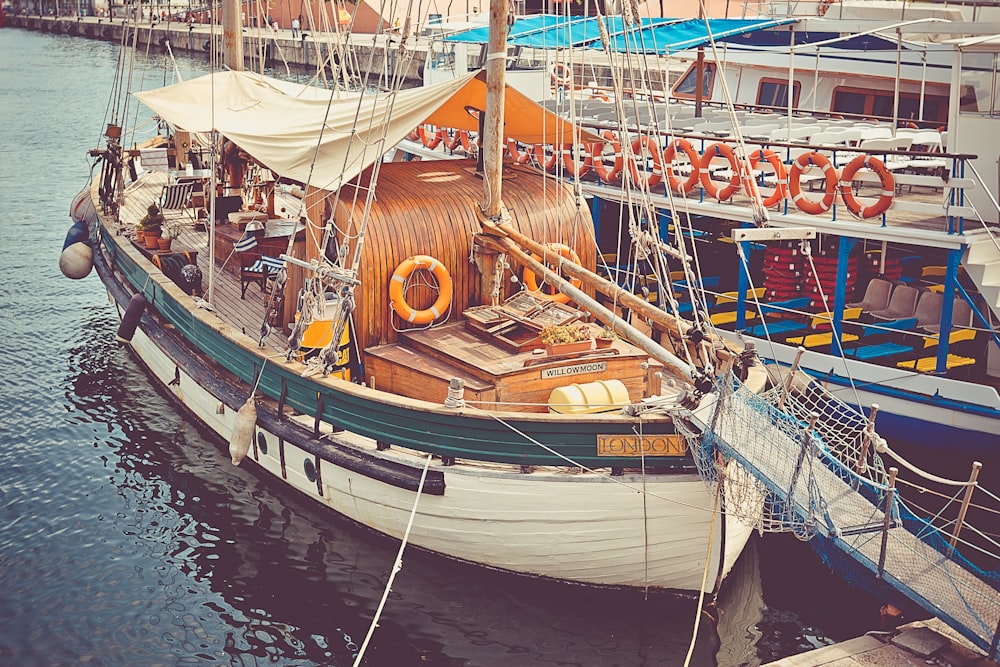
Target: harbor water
[[128, 538]]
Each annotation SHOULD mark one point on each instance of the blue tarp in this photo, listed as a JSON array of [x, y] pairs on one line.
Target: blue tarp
[[651, 36]]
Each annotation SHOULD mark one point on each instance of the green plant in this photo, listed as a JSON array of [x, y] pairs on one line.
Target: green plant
[[607, 333], [171, 230], [152, 221], [564, 333]]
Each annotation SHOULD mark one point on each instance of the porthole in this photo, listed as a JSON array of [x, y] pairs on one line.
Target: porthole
[[261, 443], [310, 469]]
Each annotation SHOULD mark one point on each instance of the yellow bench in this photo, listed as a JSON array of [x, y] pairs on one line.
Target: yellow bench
[[827, 317], [730, 317], [732, 297], [956, 336], [817, 339], [929, 364]]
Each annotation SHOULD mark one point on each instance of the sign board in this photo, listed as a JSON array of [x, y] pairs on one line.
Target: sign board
[[575, 369], [651, 445]]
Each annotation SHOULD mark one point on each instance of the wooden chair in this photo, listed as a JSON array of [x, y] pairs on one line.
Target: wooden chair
[[177, 197], [255, 267]]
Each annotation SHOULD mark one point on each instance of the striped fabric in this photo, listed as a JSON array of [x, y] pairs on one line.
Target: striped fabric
[[176, 196], [265, 263], [248, 242]]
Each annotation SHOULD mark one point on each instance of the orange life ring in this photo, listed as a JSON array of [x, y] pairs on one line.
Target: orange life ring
[[453, 138], [561, 75], [413, 135], [515, 154], [599, 95], [802, 202], [532, 283], [884, 176], [685, 147], [606, 174], [652, 176], [713, 151], [398, 281], [769, 156], [428, 139], [823, 7], [545, 156], [468, 140], [570, 152]]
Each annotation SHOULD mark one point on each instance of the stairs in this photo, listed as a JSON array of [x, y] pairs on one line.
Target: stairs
[[982, 264]]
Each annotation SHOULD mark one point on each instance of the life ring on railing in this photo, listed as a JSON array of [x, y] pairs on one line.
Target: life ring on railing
[[453, 140], [545, 156], [599, 95], [430, 141], [397, 300], [654, 175], [562, 74], [802, 202], [413, 135], [781, 190], [673, 180], [606, 174], [823, 7], [884, 176], [570, 152], [531, 283], [515, 154], [468, 141], [713, 151]]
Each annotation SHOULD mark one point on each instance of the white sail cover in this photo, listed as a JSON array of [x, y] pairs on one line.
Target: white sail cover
[[302, 134]]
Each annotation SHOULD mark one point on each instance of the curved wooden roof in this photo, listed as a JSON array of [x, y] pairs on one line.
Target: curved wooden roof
[[430, 208]]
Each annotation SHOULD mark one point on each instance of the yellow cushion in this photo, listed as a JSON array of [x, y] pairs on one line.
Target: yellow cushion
[[956, 336]]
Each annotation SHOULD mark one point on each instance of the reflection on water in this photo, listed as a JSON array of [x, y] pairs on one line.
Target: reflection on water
[[127, 537]]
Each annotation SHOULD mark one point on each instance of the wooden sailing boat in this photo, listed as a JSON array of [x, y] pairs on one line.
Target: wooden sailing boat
[[431, 399]]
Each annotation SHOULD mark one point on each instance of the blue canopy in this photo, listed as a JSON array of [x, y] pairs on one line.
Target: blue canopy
[[653, 35]]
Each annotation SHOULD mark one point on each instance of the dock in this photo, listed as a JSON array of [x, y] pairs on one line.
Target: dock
[[915, 644]]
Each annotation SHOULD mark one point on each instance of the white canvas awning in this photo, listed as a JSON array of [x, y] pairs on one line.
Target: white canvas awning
[[286, 127]]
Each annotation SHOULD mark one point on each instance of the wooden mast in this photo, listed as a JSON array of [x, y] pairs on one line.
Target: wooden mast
[[232, 35], [496, 81]]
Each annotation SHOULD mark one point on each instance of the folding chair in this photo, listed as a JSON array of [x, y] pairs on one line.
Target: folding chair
[[177, 197], [255, 267]]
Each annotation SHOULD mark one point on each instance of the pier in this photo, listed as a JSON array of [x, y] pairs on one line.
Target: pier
[[276, 47]]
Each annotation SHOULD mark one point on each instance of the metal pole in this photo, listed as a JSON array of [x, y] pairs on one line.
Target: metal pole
[[890, 497], [976, 467]]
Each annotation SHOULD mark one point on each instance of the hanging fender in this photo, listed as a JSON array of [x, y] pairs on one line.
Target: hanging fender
[[130, 320], [397, 299]]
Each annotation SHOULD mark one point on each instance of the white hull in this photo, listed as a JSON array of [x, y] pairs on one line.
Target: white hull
[[573, 526]]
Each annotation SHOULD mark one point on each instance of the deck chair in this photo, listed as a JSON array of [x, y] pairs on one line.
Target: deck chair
[[876, 296], [255, 267], [928, 312], [961, 316], [902, 303], [177, 197]]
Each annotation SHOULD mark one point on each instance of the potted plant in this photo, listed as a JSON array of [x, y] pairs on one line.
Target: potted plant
[[151, 225], [170, 232], [565, 338], [605, 337]]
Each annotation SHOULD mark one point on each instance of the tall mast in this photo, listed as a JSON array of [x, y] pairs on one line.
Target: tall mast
[[496, 79], [232, 35]]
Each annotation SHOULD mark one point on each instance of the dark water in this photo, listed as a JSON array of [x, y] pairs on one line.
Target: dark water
[[126, 537]]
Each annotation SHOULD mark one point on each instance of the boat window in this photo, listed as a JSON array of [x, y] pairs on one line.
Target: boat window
[[878, 104], [773, 93], [686, 86], [979, 83]]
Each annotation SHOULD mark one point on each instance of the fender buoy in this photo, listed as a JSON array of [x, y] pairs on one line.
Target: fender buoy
[[430, 140], [641, 147], [82, 209], [243, 427], [515, 154], [545, 156], [207, 45], [398, 281], [531, 283], [77, 257], [561, 74], [884, 176], [713, 151], [781, 189], [130, 320], [570, 155], [603, 171], [802, 202], [684, 146]]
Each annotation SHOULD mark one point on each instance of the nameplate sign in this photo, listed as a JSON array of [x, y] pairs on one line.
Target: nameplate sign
[[575, 369], [648, 445]]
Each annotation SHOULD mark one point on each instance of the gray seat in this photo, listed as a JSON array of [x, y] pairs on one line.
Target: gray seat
[[876, 296], [902, 303], [928, 312], [961, 316]]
